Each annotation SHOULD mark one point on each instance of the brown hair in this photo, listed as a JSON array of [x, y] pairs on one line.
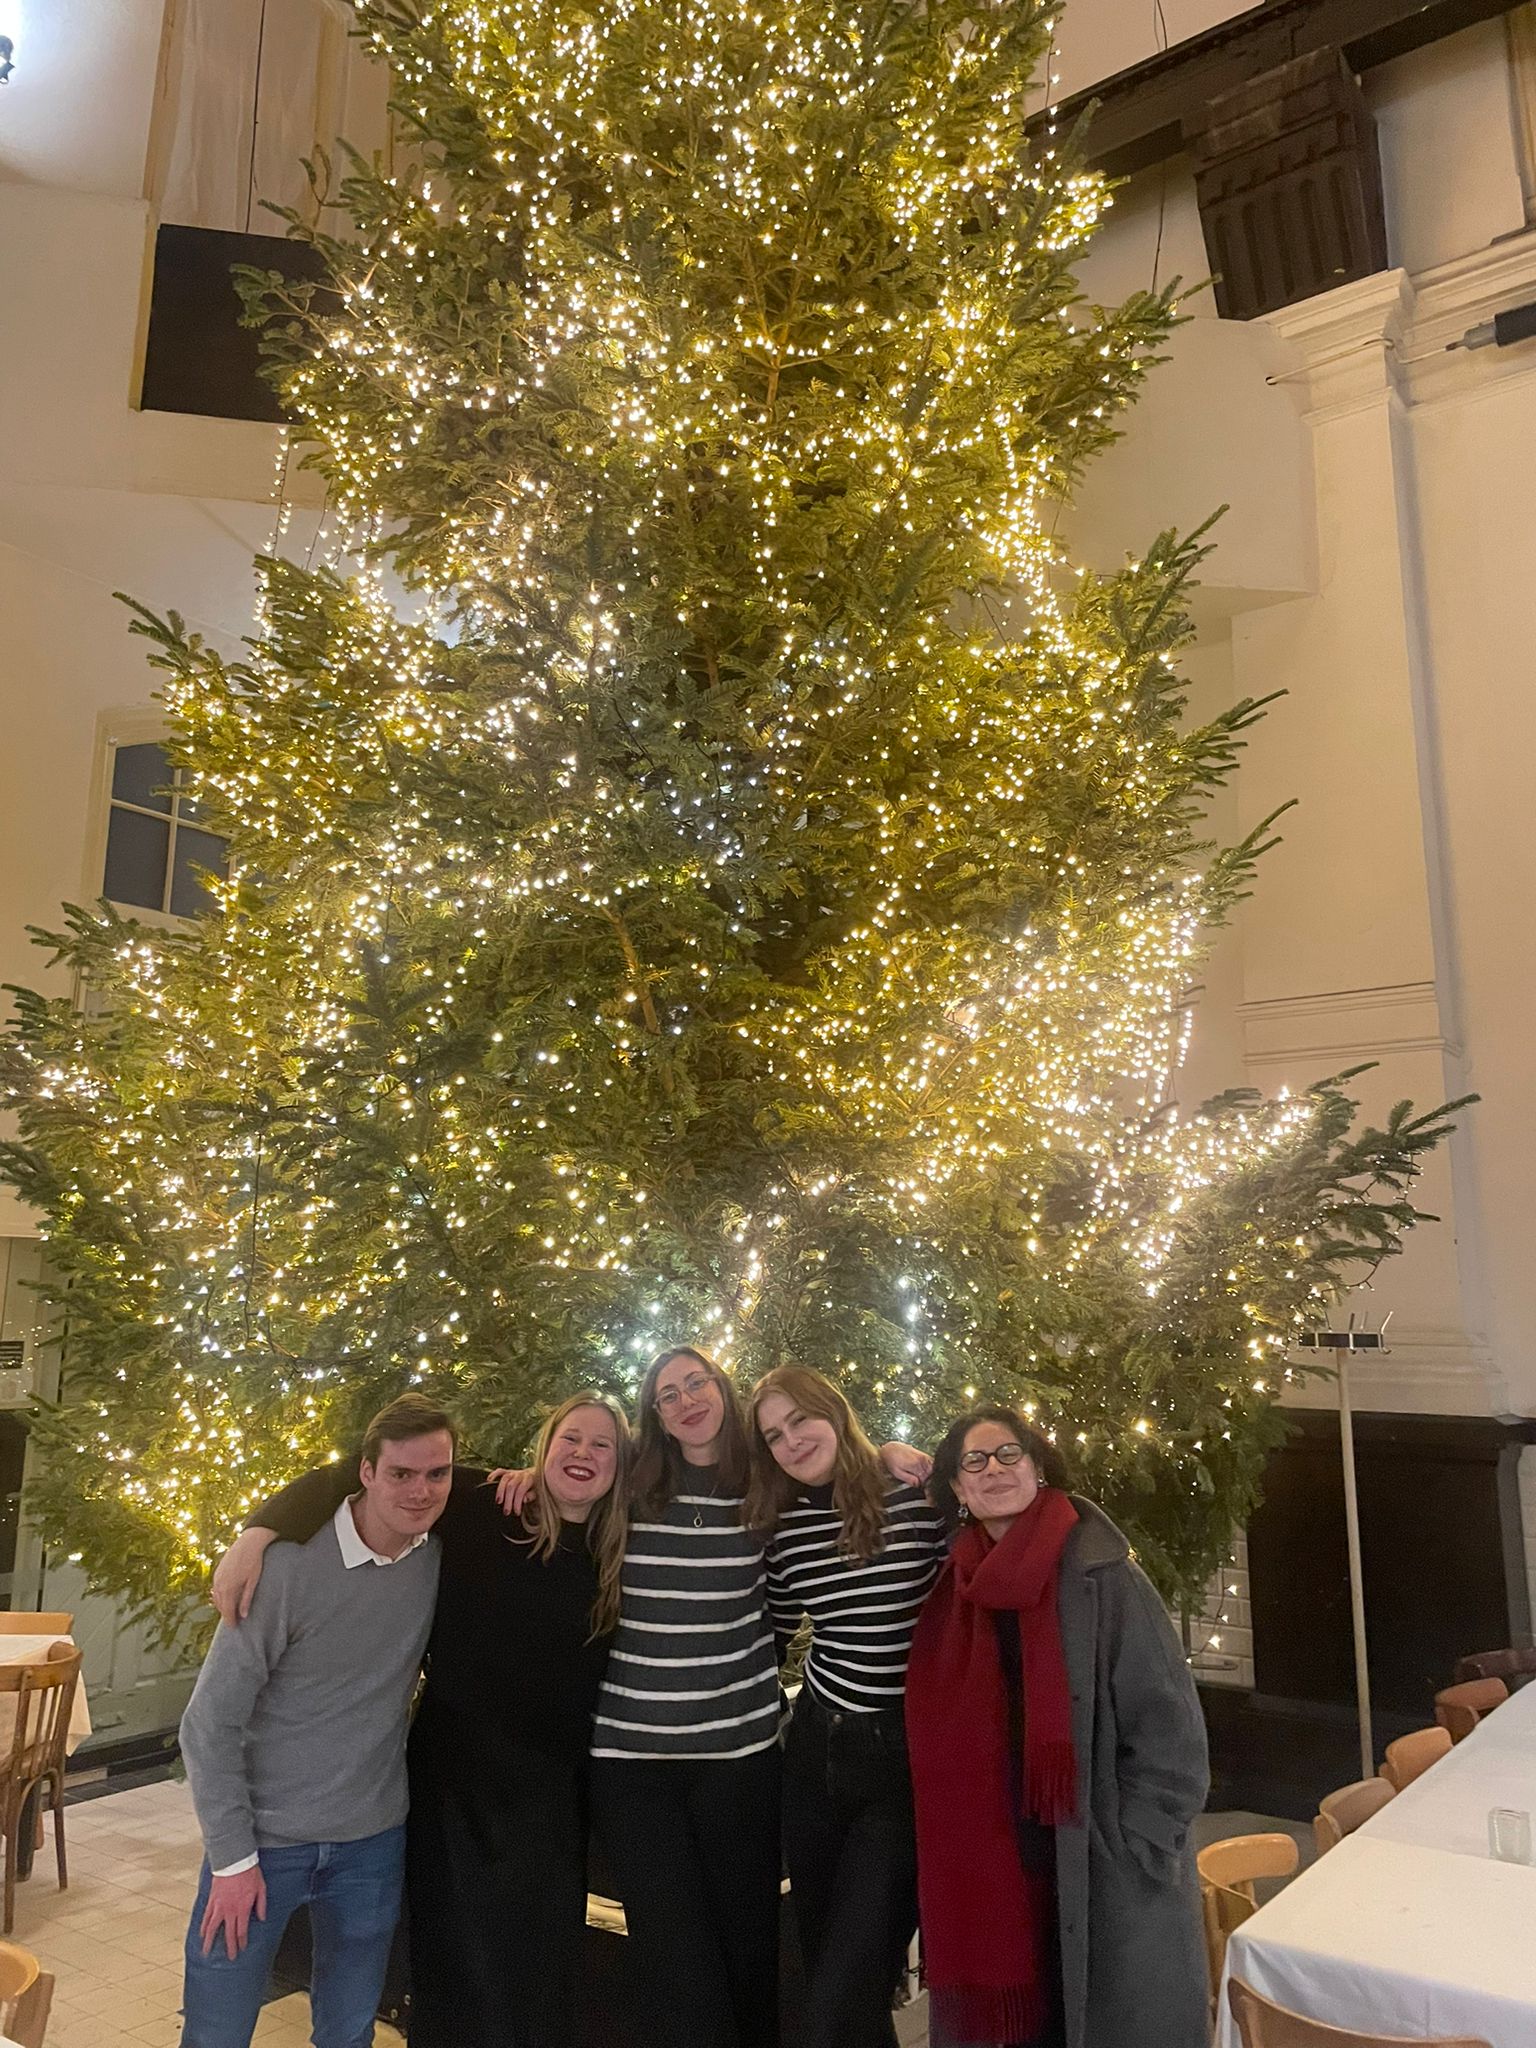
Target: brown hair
[[407, 1416], [859, 1480], [607, 1525], [1052, 1466], [659, 1465]]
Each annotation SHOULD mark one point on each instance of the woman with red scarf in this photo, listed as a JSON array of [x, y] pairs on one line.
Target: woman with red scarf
[[1058, 1760]]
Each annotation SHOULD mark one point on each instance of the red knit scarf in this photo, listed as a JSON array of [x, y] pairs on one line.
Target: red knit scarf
[[986, 1921]]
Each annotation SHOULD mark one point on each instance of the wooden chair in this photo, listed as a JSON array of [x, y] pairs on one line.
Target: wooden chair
[[13, 1623], [1515, 1667], [1460, 1707], [1347, 1809], [1411, 1755], [1228, 1871], [1265, 2025], [26, 1994], [44, 1694]]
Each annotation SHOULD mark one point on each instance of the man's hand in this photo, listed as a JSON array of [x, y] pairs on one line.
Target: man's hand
[[236, 1577], [231, 1903], [512, 1488], [909, 1467]]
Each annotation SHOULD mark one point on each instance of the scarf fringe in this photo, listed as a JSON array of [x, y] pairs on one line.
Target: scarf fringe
[[989, 2013]]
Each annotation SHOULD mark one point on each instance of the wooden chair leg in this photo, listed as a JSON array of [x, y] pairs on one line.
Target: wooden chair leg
[[57, 1803], [13, 1821]]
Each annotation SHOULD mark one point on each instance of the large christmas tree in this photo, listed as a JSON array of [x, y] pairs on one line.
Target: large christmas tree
[[704, 865]]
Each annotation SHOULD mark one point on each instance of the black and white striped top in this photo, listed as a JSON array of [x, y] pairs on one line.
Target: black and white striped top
[[862, 1614], [692, 1672]]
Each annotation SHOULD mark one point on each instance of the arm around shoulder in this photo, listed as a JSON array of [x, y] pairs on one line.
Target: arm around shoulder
[[302, 1508], [293, 1515]]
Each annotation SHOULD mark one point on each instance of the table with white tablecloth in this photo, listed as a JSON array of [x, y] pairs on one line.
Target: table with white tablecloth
[[33, 1650], [1448, 1807], [1409, 1926]]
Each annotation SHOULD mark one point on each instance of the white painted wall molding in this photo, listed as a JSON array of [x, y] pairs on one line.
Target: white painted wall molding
[[1345, 344], [1391, 334], [1426, 1372], [1454, 297], [1345, 1024]]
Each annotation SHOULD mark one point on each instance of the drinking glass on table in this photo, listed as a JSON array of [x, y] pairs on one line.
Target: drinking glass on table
[[1509, 1834]]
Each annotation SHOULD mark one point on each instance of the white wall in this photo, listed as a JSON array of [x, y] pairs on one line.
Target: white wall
[[96, 127], [96, 496], [1097, 38], [1375, 565]]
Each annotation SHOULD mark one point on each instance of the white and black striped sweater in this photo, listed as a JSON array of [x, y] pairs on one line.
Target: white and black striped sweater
[[862, 1614], [692, 1672]]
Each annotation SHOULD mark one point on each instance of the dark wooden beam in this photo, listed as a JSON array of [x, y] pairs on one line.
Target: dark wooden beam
[[1142, 114]]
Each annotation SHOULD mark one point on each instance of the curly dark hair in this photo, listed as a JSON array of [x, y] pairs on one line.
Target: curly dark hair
[[946, 1459]]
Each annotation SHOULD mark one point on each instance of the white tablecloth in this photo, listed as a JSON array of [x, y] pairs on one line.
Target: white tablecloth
[[32, 1650], [1409, 1926], [1447, 1808], [1387, 1937]]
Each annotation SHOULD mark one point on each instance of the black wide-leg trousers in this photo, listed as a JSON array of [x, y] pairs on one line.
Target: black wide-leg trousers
[[850, 1843], [692, 1849], [496, 1885]]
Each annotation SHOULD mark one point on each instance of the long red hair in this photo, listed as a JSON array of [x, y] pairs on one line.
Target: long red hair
[[859, 1480]]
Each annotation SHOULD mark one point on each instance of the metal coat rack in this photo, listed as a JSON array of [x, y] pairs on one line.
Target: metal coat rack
[[1344, 1344]]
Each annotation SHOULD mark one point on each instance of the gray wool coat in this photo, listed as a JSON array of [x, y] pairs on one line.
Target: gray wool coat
[[1132, 1948], [1127, 1898]]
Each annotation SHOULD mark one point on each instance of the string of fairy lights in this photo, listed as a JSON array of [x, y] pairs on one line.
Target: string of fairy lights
[[462, 747]]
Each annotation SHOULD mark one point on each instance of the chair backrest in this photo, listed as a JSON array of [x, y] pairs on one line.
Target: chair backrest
[[1459, 1708], [16, 1624], [1263, 2024], [1411, 1755], [1228, 1871], [1236, 1862], [18, 1971], [45, 1696], [1513, 1666], [26, 2018], [1223, 1908], [1341, 1812]]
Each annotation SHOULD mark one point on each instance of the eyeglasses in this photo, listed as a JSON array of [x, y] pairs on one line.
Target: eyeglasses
[[690, 1390], [1005, 1454]]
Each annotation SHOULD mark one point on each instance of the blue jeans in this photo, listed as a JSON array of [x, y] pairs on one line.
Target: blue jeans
[[352, 1890]]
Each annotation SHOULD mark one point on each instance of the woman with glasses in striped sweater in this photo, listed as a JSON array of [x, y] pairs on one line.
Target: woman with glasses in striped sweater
[[685, 1755], [685, 1760], [856, 1551]]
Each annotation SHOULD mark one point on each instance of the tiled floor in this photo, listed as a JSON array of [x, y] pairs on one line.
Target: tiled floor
[[113, 1940]]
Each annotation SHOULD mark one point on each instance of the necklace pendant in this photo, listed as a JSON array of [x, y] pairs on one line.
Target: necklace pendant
[[698, 1518]]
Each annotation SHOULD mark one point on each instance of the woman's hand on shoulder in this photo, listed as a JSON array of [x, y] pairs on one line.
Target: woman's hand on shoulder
[[238, 1573], [513, 1487], [905, 1464]]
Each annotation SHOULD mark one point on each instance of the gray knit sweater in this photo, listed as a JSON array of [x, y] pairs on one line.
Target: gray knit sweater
[[295, 1731]]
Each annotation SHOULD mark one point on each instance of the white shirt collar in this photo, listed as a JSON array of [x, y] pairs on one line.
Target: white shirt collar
[[355, 1551]]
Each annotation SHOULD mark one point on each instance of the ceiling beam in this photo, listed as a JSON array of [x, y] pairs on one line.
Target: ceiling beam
[[1140, 115]]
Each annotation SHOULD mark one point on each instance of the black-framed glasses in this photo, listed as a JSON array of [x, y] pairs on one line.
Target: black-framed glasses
[[1005, 1454], [690, 1390]]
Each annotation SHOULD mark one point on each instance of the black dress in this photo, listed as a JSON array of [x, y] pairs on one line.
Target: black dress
[[496, 1845], [1037, 1842]]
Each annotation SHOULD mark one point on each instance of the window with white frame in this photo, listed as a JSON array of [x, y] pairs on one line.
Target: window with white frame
[[158, 851]]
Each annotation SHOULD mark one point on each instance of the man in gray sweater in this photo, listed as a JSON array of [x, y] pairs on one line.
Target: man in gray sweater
[[294, 1742]]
